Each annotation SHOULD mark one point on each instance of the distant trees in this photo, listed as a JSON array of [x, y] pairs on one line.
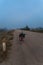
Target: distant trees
[[25, 28], [39, 29], [3, 30]]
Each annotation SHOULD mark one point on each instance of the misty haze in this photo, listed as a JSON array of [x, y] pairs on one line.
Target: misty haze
[[21, 32]]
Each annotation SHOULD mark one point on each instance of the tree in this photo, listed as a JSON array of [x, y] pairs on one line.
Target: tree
[[25, 28]]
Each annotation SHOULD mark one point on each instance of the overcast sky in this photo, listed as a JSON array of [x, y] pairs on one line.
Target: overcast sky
[[19, 13]]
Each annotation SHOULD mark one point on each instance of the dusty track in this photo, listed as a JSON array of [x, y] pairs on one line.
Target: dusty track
[[30, 52]]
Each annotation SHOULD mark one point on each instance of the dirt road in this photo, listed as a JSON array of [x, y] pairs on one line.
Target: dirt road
[[28, 52]]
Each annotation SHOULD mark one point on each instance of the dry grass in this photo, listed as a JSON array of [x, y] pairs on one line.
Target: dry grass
[[6, 37]]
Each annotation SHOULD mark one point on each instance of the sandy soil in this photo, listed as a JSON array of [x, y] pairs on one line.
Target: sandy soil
[[27, 52]]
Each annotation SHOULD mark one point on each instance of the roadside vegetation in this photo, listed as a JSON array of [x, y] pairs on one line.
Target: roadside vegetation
[[40, 29], [7, 37]]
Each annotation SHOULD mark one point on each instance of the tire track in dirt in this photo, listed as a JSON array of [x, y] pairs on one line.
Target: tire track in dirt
[[18, 57]]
